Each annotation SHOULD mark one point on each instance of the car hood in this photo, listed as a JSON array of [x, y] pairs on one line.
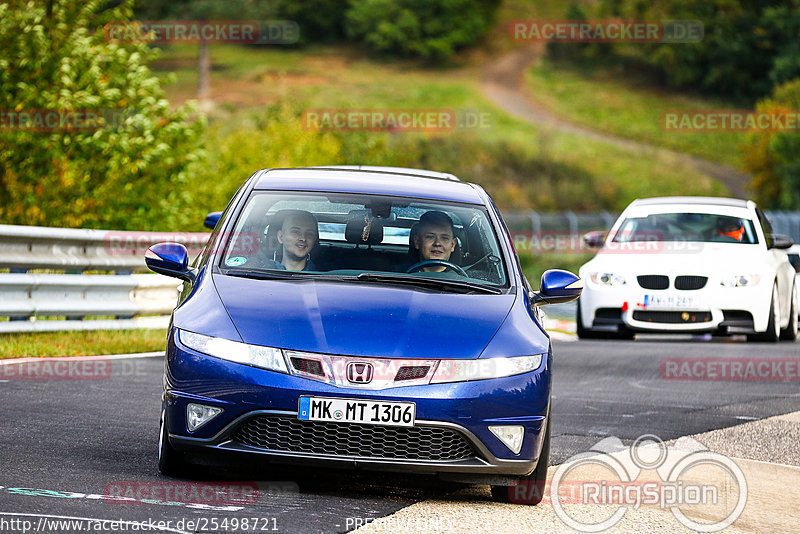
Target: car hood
[[691, 258], [362, 319]]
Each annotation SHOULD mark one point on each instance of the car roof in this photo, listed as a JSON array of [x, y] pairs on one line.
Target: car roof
[[393, 181], [707, 201]]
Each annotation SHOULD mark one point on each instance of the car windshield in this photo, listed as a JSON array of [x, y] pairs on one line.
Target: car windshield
[[703, 227], [375, 238]]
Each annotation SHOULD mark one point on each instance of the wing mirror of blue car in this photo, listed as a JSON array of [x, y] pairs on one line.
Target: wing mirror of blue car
[[171, 259], [781, 241], [557, 286], [212, 219], [595, 239]]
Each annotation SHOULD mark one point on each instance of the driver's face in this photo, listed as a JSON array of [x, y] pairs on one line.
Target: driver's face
[[435, 243], [298, 236]]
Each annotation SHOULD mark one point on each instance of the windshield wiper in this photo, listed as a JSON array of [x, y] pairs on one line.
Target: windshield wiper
[[433, 283], [260, 274]]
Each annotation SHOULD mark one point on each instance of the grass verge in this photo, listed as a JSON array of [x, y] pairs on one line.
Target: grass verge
[[98, 342], [628, 105]]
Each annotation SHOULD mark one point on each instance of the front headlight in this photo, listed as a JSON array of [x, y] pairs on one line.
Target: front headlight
[[740, 280], [482, 369], [234, 351], [607, 279]]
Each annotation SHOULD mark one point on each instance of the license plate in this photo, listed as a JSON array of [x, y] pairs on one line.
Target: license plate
[[390, 413], [670, 301]]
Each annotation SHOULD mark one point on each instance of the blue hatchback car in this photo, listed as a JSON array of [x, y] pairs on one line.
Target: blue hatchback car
[[365, 317]]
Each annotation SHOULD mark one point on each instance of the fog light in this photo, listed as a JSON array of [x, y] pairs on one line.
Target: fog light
[[198, 414], [511, 436]]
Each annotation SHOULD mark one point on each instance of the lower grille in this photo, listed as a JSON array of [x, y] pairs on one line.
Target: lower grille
[[285, 433], [673, 317], [688, 282], [653, 281]]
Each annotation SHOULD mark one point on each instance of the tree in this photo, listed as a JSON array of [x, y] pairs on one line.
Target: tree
[[772, 157], [420, 28], [130, 170]]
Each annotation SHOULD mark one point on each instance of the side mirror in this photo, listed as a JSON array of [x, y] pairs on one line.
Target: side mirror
[[595, 239], [171, 259], [557, 286], [781, 241], [212, 219]]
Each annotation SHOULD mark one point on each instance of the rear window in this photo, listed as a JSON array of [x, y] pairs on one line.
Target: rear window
[[353, 233]]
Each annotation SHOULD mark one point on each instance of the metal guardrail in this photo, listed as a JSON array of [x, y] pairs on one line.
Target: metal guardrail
[[72, 299]]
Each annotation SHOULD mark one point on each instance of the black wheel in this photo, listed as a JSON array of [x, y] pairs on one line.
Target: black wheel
[[532, 487], [171, 463], [790, 332], [772, 333]]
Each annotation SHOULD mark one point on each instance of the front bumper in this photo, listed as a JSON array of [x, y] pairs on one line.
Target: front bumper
[[463, 409], [736, 310]]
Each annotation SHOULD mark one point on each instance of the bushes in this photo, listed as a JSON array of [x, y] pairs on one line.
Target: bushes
[[772, 157], [131, 175], [420, 28]]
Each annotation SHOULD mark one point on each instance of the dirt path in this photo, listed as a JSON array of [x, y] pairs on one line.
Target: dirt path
[[503, 83]]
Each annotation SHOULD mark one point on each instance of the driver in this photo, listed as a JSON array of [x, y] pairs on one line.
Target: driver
[[298, 235], [434, 239], [730, 227]]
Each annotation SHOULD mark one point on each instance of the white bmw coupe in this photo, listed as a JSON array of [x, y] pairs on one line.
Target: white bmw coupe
[[689, 265]]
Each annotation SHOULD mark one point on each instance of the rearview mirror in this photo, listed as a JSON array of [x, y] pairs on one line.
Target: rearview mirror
[[171, 259], [781, 241], [595, 239], [212, 219], [557, 286]]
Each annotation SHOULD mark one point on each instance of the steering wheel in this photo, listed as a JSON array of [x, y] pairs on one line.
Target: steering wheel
[[446, 264]]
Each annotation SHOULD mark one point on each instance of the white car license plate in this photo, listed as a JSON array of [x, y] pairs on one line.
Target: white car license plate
[[390, 413], [670, 301]]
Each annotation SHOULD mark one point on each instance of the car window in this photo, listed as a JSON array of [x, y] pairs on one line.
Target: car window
[[350, 234], [766, 226], [703, 227]]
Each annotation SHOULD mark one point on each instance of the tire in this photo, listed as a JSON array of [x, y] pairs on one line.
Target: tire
[[790, 332], [587, 333], [171, 463], [534, 484], [772, 333]]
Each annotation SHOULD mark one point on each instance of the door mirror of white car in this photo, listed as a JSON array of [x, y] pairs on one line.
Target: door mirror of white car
[[595, 239], [557, 286], [781, 241]]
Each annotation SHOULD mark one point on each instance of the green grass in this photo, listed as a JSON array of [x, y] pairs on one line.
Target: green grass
[[628, 105], [246, 79], [97, 342]]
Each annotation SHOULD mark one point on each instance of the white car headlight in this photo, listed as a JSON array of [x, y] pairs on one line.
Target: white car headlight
[[741, 280], [256, 355], [482, 369], [607, 279]]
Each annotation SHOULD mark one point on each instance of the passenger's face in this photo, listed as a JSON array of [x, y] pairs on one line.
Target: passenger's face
[[298, 236], [435, 243]]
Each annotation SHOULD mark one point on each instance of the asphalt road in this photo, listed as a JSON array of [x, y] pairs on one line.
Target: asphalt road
[[66, 442]]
